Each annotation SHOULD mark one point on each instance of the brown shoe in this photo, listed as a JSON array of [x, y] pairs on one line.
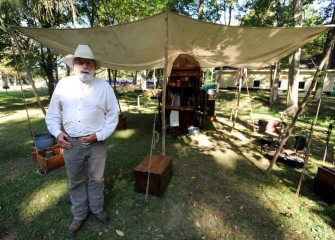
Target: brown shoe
[[102, 217], [74, 227]]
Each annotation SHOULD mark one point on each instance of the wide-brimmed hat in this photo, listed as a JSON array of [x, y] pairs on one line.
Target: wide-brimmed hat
[[82, 51]]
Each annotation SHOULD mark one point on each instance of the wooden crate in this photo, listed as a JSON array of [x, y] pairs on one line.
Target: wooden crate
[[50, 163], [268, 126], [324, 184], [251, 126], [327, 175], [160, 174], [324, 191]]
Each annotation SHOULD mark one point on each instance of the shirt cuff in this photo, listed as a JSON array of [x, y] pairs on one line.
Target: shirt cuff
[[99, 137]]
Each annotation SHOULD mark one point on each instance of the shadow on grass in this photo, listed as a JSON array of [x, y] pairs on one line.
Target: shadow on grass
[[216, 191]]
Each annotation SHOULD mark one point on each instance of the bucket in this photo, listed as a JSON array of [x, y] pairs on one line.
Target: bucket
[[44, 140], [193, 131]]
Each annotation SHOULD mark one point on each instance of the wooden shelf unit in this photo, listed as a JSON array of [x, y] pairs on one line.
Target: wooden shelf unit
[[185, 82]]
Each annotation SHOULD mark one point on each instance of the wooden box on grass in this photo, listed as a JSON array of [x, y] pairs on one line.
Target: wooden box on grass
[[324, 184], [45, 162], [268, 126], [160, 174]]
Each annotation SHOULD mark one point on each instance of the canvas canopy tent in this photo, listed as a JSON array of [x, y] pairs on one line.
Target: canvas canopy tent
[[155, 42], [142, 44]]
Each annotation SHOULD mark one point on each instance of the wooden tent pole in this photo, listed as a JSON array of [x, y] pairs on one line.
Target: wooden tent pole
[[238, 102], [31, 81], [308, 150], [165, 75], [326, 55], [249, 98]]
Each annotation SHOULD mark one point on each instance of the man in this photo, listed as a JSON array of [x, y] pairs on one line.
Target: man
[[87, 108]]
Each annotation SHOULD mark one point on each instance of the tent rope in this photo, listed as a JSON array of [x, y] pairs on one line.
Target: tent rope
[[154, 141]]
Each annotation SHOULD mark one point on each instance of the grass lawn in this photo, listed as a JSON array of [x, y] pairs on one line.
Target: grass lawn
[[219, 189]]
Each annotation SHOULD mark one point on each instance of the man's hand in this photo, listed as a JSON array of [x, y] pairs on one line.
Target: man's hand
[[88, 139], [63, 140]]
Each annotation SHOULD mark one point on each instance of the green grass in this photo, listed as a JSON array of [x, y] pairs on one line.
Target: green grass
[[218, 189]]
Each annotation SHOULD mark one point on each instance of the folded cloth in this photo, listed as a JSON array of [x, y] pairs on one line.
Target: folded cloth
[[174, 118]]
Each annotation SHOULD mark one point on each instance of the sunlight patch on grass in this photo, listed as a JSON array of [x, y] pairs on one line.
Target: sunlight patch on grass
[[202, 141], [44, 198], [126, 133], [229, 160], [20, 115]]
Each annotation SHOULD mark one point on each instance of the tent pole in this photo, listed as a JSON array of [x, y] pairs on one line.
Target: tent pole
[[31, 81], [165, 75], [308, 150], [326, 54], [249, 98], [238, 102]]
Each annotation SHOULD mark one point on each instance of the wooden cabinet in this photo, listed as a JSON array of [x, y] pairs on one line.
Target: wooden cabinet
[[185, 96], [184, 85]]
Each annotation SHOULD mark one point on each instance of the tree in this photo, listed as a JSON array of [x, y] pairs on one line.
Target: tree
[[10, 15], [320, 84], [201, 9], [267, 13], [294, 64], [35, 13], [275, 77]]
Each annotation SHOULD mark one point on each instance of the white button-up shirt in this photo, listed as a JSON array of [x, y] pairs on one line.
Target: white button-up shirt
[[83, 108]]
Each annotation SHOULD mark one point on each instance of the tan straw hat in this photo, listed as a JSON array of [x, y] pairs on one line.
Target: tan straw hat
[[82, 51]]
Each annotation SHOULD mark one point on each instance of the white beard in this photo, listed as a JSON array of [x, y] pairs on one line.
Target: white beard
[[85, 76]]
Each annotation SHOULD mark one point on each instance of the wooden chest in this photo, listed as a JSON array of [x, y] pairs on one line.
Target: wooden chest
[[327, 175], [160, 169], [251, 126], [48, 163], [268, 126], [324, 184]]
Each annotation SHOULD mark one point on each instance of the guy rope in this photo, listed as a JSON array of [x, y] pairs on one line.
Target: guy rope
[[154, 140]]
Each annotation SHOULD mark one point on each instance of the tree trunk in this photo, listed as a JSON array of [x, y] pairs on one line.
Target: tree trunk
[[201, 9], [48, 63], [321, 83], [293, 83], [51, 81], [274, 83], [325, 58], [73, 13]]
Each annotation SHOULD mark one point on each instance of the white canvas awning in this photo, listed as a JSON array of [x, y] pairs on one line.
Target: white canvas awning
[[142, 44], [155, 42]]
